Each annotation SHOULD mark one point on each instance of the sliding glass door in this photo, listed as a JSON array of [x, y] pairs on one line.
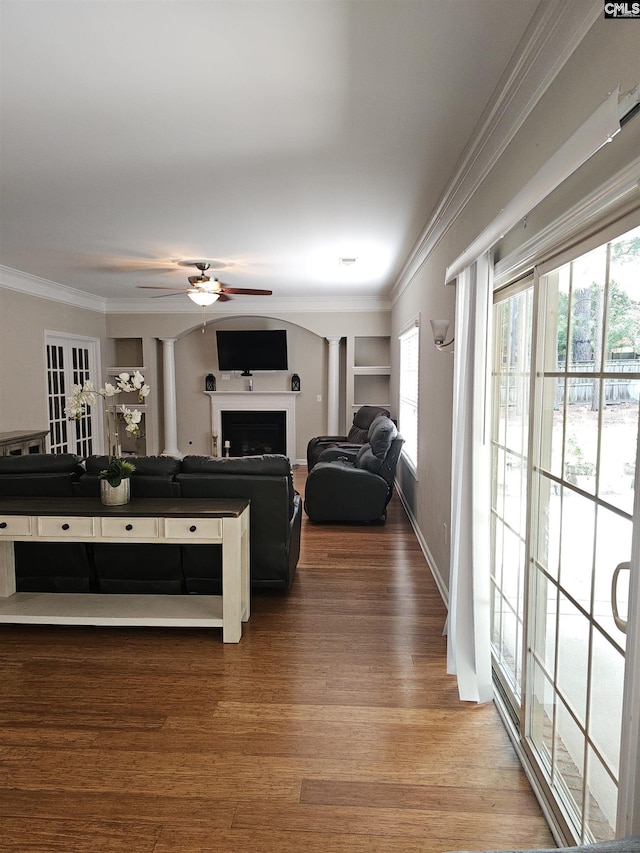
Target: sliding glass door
[[564, 493]]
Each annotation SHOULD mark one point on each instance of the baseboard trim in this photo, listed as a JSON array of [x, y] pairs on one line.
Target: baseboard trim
[[433, 566]]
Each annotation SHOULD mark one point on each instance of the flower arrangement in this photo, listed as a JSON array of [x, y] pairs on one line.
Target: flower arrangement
[[87, 395]]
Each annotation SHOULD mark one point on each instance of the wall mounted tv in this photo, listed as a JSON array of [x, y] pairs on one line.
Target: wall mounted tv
[[252, 349]]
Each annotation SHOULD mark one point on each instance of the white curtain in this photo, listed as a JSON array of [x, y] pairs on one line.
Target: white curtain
[[468, 625]]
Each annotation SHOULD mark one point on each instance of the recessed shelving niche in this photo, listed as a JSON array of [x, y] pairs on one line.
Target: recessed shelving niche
[[368, 372]]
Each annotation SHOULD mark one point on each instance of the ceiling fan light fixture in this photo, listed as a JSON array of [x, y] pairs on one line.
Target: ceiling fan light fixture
[[202, 297]]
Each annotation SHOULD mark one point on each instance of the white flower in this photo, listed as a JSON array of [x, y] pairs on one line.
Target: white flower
[[87, 394], [137, 380], [81, 396], [132, 419]]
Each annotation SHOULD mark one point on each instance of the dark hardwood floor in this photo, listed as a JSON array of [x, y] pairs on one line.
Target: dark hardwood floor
[[332, 726]]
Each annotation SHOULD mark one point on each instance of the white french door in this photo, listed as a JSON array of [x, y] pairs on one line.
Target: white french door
[[71, 361], [565, 451]]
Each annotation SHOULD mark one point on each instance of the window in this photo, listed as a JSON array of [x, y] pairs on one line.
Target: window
[[408, 409]]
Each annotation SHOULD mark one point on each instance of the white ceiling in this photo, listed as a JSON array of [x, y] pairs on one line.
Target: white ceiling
[[273, 136]]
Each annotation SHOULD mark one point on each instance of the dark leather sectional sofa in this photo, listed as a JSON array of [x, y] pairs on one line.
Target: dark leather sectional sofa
[[276, 513]]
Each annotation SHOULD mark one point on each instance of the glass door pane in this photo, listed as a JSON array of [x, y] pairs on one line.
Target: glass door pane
[[512, 324], [582, 486]]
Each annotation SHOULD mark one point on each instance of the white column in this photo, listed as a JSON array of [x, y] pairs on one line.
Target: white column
[[333, 386], [170, 407]]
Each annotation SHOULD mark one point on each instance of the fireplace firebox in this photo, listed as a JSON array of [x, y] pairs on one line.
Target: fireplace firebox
[[252, 433]]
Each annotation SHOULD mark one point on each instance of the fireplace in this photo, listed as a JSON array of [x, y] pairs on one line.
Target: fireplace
[[264, 403], [251, 433]]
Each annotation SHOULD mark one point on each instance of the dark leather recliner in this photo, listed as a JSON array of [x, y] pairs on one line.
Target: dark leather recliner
[[275, 515], [358, 435], [356, 486]]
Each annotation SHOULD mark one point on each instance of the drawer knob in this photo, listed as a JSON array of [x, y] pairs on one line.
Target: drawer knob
[[3, 524], [65, 526], [193, 528], [129, 527]]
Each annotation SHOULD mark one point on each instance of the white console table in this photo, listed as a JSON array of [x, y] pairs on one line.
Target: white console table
[[148, 520]]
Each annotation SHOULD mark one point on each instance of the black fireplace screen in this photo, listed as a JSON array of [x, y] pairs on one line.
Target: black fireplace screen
[[253, 433]]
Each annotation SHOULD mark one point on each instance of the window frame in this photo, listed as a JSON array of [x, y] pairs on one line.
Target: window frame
[[409, 345]]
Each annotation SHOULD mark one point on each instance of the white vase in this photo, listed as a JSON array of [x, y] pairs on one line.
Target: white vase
[[115, 495]]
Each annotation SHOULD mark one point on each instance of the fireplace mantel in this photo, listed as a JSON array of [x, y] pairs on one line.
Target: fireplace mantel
[[256, 401]]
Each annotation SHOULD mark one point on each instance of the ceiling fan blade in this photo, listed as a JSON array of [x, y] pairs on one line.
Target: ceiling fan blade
[[251, 291], [164, 295], [163, 287], [223, 297]]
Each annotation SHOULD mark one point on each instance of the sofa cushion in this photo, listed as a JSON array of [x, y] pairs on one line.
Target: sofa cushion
[[154, 477], [267, 465], [148, 466], [38, 485], [40, 463]]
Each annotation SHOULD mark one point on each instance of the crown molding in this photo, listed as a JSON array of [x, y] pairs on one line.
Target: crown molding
[[554, 33], [32, 285], [247, 305]]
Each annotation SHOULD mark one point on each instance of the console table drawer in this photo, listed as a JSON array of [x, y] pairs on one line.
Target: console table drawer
[[72, 527], [15, 525], [133, 528], [198, 528]]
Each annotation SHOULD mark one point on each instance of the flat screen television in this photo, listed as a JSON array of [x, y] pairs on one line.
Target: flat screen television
[[252, 349]]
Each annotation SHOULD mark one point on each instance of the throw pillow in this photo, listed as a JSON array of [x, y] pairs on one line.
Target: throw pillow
[[382, 432]]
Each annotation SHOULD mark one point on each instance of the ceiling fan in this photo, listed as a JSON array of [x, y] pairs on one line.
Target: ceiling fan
[[202, 289]]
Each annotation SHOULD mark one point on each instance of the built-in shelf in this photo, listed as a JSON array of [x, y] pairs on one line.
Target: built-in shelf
[[371, 350], [379, 370], [131, 445], [368, 371], [128, 351]]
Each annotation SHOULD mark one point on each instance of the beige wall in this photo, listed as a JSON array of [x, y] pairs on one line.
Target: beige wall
[[607, 57], [24, 320], [196, 355]]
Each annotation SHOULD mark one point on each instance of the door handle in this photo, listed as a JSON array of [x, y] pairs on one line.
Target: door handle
[[620, 622]]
